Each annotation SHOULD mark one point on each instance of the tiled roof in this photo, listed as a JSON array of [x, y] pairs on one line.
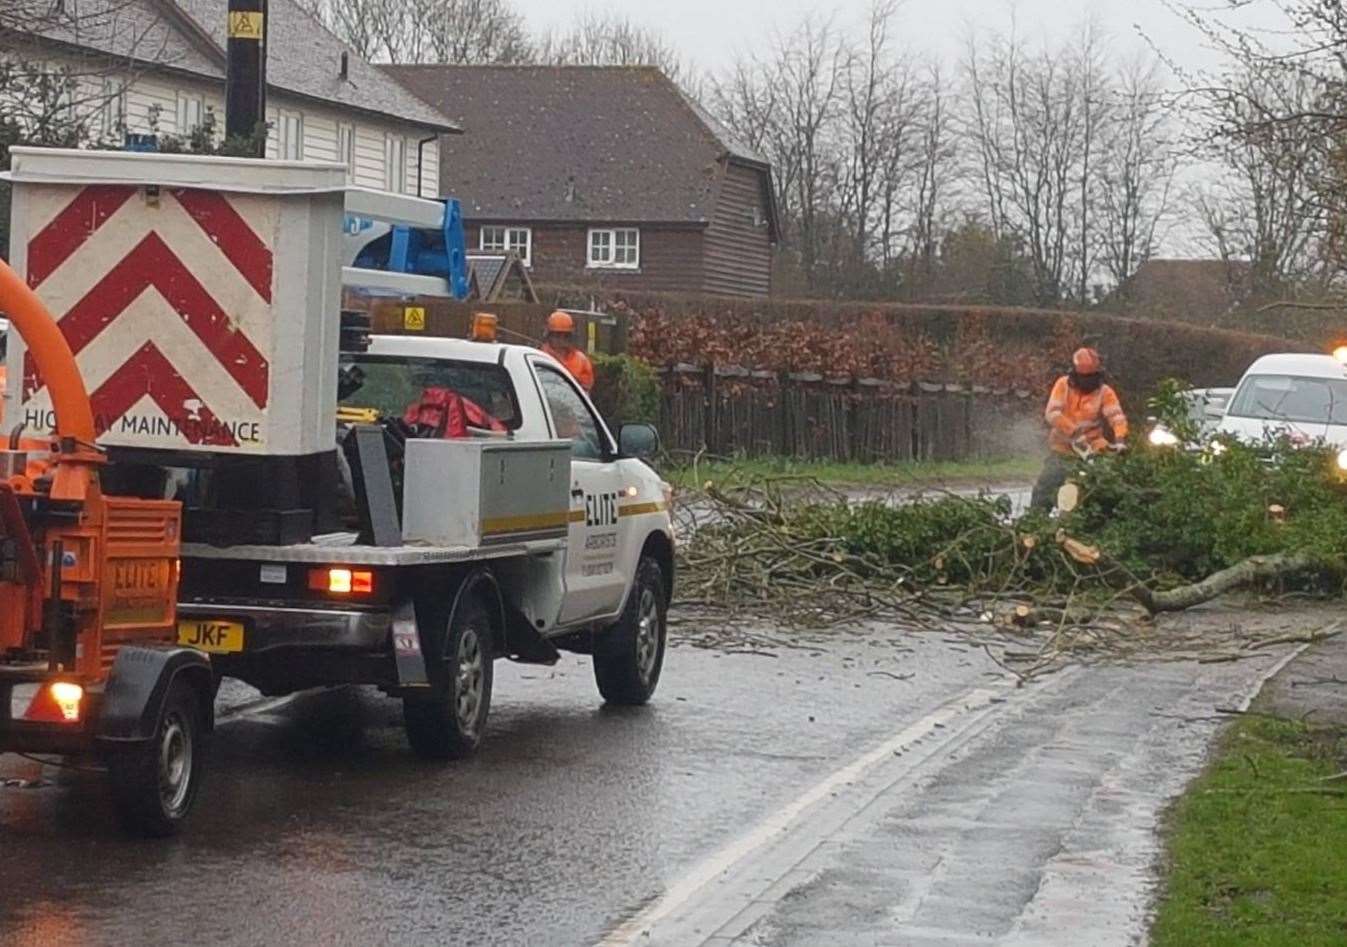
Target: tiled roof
[[577, 143]]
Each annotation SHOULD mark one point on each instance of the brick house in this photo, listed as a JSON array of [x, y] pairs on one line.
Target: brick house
[[602, 176]]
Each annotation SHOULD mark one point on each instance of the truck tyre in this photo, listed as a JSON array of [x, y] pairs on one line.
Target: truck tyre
[[155, 782], [449, 724], [629, 656]]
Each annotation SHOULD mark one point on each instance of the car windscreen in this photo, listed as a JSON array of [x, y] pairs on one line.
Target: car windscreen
[[390, 384], [1291, 398]]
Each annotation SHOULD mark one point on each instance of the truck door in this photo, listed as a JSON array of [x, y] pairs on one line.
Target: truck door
[[594, 582]]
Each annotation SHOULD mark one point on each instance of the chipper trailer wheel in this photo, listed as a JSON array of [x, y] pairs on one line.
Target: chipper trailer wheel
[[448, 724], [155, 782]]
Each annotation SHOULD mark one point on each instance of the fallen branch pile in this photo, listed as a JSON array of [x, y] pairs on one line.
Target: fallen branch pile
[[793, 553]]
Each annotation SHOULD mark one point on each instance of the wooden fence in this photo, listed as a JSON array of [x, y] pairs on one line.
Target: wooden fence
[[735, 412]]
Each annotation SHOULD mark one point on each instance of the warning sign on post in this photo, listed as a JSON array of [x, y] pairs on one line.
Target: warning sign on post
[[246, 25]]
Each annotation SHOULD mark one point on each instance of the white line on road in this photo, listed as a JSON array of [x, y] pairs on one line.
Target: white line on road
[[781, 822]]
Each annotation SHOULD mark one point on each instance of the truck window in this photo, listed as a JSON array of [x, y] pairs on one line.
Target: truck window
[[393, 383], [570, 415]]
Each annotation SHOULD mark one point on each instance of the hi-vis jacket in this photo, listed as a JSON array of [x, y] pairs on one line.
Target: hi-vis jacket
[[1076, 415], [576, 362]]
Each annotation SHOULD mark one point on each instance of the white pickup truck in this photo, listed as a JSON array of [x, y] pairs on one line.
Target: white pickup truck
[[551, 535]]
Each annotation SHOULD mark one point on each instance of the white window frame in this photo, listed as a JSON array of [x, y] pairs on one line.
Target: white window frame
[[289, 135], [395, 163], [112, 118], [507, 237], [346, 148], [605, 257], [183, 110]]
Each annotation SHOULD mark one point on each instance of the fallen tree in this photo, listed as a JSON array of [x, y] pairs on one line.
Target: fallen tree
[[1161, 530]]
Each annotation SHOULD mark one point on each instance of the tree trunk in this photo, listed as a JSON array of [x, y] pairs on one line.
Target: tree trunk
[[1254, 569]]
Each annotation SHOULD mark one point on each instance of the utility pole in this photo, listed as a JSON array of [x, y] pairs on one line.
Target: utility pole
[[246, 73]]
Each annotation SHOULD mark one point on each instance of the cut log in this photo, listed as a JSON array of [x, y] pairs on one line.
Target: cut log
[[1069, 496], [1254, 569]]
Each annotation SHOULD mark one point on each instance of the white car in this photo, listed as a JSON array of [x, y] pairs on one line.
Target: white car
[[1303, 397], [1204, 407]]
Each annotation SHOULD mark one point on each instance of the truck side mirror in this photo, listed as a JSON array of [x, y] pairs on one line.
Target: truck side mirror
[[638, 440]]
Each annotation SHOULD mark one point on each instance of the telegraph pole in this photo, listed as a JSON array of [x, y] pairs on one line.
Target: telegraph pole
[[246, 73]]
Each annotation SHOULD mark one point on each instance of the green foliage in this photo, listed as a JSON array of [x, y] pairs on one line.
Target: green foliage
[[205, 139], [1181, 514], [1256, 846], [950, 539], [1168, 516], [1169, 407], [625, 389]]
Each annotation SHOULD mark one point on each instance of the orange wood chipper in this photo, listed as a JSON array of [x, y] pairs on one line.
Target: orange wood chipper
[[88, 591]]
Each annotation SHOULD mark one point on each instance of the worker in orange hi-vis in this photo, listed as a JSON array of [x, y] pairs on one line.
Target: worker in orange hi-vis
[[1084, 416], [560, 345]]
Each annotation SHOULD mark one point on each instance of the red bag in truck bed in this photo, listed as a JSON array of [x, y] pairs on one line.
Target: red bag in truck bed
[[447, 414]]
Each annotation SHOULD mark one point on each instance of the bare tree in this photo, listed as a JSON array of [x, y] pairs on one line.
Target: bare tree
[[1095, 104], [613, 39], [463, 32], [935, 169], [1137, 171], [1036, 121], [1276, 119], [1269, 208], [868, 86]]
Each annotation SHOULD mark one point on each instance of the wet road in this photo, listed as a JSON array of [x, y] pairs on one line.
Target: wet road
[[806, 798]]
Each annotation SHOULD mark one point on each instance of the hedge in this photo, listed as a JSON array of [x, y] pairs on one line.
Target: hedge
[[999, 346]]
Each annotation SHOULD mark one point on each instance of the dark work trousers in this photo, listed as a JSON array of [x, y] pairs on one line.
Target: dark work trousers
[[1056, 468]]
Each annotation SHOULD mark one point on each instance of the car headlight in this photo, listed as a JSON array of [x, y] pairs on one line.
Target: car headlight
[[1161, 436], [1342, 460]]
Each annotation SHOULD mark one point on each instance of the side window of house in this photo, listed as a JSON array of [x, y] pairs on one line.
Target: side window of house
[[112, 114], [395, 163], [618, 248], [346, 148], [291, 135], [499, 239], [571, 416], [191, 113]]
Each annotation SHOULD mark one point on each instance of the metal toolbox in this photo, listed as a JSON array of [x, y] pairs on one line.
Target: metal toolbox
[[481, 492]]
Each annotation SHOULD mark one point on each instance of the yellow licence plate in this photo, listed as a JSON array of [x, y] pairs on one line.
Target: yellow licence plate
[[215, 637]]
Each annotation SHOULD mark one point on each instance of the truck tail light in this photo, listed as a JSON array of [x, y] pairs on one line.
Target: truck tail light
[[342, 581]]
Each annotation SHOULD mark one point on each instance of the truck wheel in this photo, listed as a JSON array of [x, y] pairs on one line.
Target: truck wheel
[[449, 724], [155, 783], [629, 656]]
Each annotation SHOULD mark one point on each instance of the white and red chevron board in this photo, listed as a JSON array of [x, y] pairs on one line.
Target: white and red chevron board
[[203, 315]]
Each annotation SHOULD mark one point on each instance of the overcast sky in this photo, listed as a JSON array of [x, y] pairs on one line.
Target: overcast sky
[[713, 32]]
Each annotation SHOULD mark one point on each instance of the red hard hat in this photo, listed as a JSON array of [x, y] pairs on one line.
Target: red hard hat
[[560, 322], [1087, 362]]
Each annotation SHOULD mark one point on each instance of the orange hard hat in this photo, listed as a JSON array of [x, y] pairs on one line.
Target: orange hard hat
[[560, 322], [1087, 362]]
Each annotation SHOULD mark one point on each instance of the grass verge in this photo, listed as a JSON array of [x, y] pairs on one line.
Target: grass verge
[[1258, 844], [915, 474]]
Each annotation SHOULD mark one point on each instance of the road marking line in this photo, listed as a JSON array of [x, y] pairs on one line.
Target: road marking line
[[1270, 673], [721, 861]]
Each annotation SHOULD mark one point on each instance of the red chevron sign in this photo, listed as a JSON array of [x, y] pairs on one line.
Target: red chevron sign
[[125, 282]]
